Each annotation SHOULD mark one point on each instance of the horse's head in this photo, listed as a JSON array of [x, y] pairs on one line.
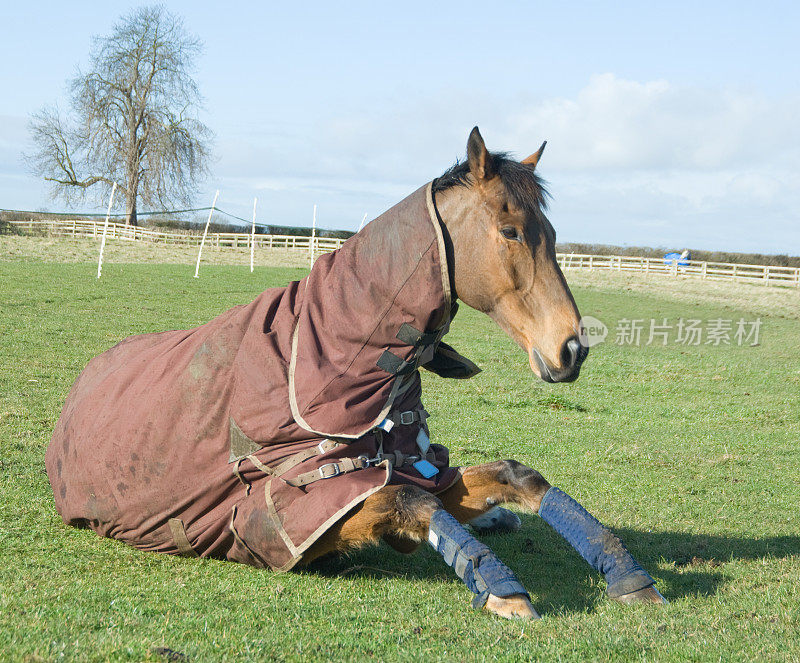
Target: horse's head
[[503, 256]]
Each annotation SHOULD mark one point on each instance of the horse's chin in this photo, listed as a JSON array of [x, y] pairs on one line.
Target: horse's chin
[[546, 373]]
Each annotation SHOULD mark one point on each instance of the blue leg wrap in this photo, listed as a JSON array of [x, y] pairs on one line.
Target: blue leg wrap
[[597, 545], [472, 560]]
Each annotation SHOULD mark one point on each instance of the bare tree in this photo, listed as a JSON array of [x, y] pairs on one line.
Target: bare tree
[[133, 118]]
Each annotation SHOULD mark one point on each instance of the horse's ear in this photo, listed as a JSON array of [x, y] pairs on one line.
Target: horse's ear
[[480, 161], [533, 159]]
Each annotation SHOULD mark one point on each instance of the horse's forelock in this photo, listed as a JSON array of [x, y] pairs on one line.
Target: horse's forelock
[[525, 188]]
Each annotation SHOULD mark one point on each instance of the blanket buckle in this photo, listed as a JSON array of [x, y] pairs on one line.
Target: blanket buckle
[[336, 471], [407, 418]]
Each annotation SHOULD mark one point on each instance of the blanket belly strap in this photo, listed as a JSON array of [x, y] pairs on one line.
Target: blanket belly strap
[[180, 538], [330, 470], [346, 465]]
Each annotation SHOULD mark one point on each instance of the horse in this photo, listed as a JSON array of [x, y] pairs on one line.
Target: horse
[[293, 428]]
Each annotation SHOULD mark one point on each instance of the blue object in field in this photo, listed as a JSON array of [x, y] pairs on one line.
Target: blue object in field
[[677, 258]]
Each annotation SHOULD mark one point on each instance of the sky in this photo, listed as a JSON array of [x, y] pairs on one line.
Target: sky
[[668, 124]]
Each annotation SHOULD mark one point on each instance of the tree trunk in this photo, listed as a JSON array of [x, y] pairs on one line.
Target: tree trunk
[[130, 212]]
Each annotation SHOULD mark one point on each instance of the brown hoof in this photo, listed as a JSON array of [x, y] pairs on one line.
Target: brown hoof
[[516, 606], [646, 595]]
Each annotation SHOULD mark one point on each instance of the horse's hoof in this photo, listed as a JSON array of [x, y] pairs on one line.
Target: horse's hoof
[[516, 606], [646, 595], [497, 520]]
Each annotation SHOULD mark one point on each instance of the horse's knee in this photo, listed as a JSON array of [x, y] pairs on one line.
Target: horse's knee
[[514, 473], [413, 508], [528, 486], [508, 481]]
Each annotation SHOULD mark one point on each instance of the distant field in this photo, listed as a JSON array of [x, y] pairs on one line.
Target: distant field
[[691, 453], [63, 250]]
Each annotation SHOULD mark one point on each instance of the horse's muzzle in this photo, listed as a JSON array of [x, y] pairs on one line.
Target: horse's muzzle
[[573, 355]]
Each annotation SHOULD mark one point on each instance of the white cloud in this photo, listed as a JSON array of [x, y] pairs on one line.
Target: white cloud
[[622, 125]]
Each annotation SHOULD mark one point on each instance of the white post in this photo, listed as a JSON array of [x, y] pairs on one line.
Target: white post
[[205, 232], [105, 231], [311, 241], [363, 221], [253, 236]]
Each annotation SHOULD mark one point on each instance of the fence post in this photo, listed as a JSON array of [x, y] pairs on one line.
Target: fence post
[[766, 275], [704, 270], [735, 278]]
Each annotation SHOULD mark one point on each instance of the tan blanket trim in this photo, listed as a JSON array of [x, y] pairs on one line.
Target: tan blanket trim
[[241, 541], [180, 538], [296, 410], [336, 517], [276, 521], [448, 296]]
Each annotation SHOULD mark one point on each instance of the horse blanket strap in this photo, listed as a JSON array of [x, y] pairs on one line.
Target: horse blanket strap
[[412, 336], [409, 417], [473, 561], [330, 470], [399, 459], [424, 344], [596, 544], [323, 447], [347, 465], [391, 363], [180, 538]]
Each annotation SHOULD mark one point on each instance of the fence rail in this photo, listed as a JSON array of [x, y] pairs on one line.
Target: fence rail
[[765, 274], [92, 228]]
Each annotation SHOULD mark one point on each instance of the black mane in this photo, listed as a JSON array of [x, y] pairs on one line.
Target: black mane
[[525, 188]]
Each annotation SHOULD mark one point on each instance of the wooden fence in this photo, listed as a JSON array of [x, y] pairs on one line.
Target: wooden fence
[[765, 274], [94, 228]]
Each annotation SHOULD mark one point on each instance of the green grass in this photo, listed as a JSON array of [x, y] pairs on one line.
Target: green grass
[[689, 453]]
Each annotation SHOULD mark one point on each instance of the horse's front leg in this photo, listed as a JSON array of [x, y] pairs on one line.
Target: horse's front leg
[[482, 487], [405, 516]]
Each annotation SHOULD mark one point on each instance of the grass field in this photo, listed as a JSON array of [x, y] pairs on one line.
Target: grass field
[[690, 453]]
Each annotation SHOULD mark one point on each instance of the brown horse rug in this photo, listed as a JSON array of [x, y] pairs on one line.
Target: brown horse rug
[[250, 436]]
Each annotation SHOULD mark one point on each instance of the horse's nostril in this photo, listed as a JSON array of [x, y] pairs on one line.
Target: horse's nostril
[[571, 353]]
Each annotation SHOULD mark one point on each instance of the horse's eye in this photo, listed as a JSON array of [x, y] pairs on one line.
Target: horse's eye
[[509, 232]]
